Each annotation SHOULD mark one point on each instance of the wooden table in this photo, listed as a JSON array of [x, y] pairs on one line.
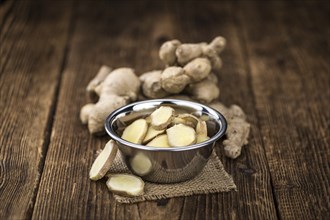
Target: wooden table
[[276, 66]]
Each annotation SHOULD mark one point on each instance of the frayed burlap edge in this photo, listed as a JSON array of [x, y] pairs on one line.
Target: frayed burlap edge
[[213, 179]]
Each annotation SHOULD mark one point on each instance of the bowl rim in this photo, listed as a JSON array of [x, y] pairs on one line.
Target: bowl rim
[[218, 117]]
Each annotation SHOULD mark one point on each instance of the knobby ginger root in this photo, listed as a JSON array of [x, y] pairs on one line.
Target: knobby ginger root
[[125, 184], [173, 79], [204, 91], [103, 161], [238, 129], [175, 53], [151, 84], [118, 88], [85, 112], [97, 81], [188, 69]]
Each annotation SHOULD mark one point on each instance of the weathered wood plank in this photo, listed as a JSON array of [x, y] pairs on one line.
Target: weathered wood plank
[[113, 33], [97, 40], [254, 199], [5, 9], [289, 56], [31, 57]]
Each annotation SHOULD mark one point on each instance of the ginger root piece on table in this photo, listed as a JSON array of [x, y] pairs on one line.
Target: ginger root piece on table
[[187, 66], [103, 72], [118, 88], [238, 129], [175, 53]]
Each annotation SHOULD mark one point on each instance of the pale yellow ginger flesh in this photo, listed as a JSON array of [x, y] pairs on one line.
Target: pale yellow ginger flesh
[[200, 138], [161, 117], [159, 141], [189, 118], [201, 130], [177, 120], [141, 164], [181, 135], [151, 134], [136, 131], [103, 161], [125, 185]]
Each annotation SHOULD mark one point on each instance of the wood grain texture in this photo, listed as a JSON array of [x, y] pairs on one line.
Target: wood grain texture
[[99, 37], [289, 62], [254, 198], [29, 74], [276, 66]]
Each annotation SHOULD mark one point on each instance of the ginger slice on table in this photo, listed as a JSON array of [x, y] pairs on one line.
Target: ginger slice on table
[[125, 185], [103, 161]]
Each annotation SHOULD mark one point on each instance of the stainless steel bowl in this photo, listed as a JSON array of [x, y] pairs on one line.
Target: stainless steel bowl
[[165, 165]]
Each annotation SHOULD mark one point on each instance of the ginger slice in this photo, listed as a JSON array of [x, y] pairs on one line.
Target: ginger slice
[[201, 131], [181, 135], [141, 164], [159, 141], [161, 117], [191, 119], [201, 139], [103, 161], [125, 185], [136, 131], [151, 134]]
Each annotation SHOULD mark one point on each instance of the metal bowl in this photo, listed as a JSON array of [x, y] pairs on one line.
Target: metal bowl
[[165, 165]]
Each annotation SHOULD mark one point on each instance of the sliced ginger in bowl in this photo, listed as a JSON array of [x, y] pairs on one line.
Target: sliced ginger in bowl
[[182, 129]]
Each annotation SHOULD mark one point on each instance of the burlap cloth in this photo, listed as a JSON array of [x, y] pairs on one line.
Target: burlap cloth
[[212, 179]]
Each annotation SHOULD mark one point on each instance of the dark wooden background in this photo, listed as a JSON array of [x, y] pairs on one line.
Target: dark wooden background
[[276, 66]]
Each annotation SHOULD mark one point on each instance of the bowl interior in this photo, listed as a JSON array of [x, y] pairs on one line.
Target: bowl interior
[[118, 120]]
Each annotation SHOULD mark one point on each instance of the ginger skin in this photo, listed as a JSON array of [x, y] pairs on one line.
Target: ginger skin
[[103, 72], [238, 129], [120, 87], [188, 67], [180, 54]]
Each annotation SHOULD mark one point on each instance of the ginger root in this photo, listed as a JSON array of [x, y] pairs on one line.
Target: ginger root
[[103, 72], [175, 53], [189, 70], [238, 129], [119, 87], [151, 85]]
